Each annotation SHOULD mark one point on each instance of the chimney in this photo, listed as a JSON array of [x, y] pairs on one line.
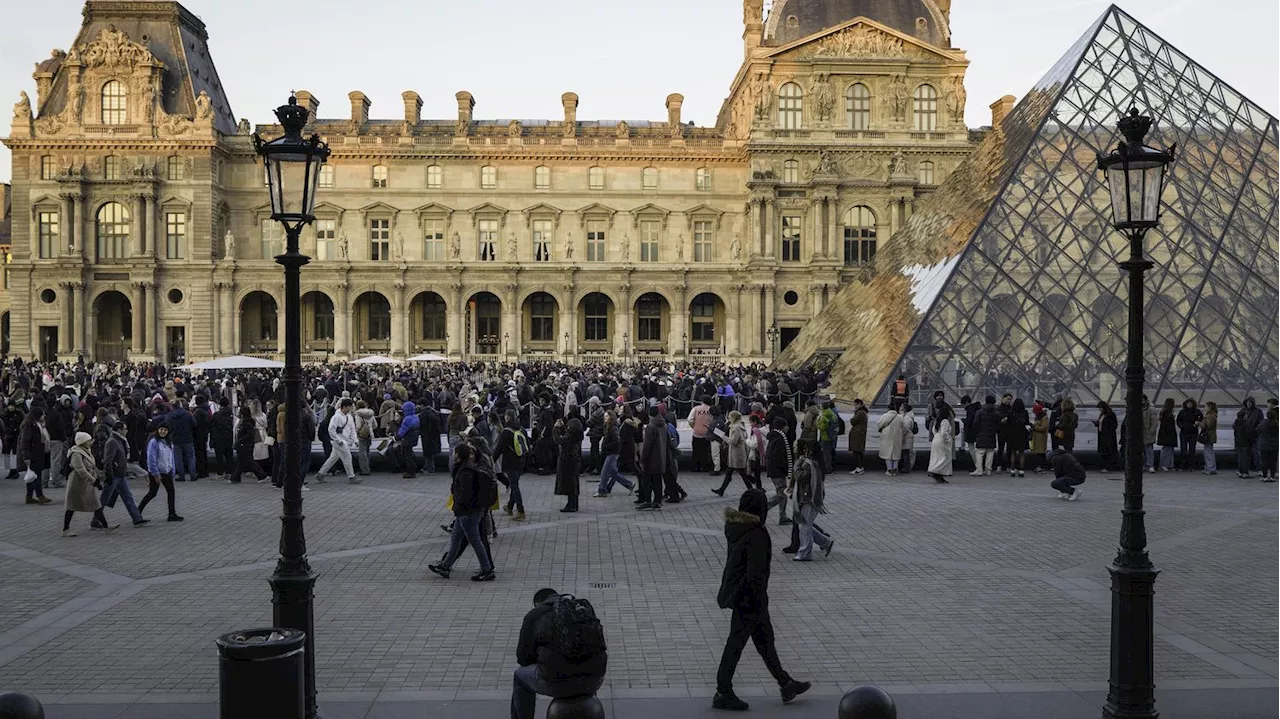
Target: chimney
[[309, 101], [466, 103], [570, 102], [752, 25], [359, 109], [674, 101], [412, 108], [1000, 108]]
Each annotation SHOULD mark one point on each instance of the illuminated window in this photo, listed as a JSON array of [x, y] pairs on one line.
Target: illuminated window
[[113, 232]]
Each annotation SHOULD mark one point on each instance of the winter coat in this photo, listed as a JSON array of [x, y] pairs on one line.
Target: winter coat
[[744, 583], [1243, 431], [203, 418], [1186, 420], [221, 427], [182, 426], [159, 457], [568, 438], [246, 435], [536, 645], [1107, 444], [942, 449], [1209, 430], [890, 426], [970, 417], [410, 427], [366, 422], [1066, 465], [810, 484], [32, 447], [1253, 416], [1150, 424], [1040, 434], [1268, 439], [115, 456], [1167, 434], [809, 424], [653, 446], [986, 427], [82, 496], [429, 430], [1067, 425], [628, 434], [778, 461], [858, 431], [1015, 431], [609, 439], [738, 435], [465, 488]]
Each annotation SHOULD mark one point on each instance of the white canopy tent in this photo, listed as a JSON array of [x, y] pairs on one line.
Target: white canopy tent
[[375, 359], [233, 362], [428, 357]]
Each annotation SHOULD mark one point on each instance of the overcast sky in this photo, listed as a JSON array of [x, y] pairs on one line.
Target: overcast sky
[[621, 58]]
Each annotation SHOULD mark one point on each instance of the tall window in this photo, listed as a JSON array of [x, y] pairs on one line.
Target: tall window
[[702, 315], [924, 108], [595, 178], [488, 177], [859, 236], [379, 239], [488, 240], [790, 107], [702, 179], [47, 171], [542, 318], [595, 241], [702, 247], [433, 241], [326, 234], [857, 107], [379, 317], [542, 178], [113, 232], [649, 178], [177, 169], [596, 321], [48, 234], [650, 231], [435, 177], [791, 237], [111, 168], [379, 175], [542, 238], [175, 235], [326, 176], [433, 317], [114, 103], [272, 239], [926, 173], [649, 319], [791, 171], [322, 322]]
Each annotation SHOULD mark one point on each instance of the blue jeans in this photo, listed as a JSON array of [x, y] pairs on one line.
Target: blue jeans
[[810, 534], [1166, 458], [184, 461], [120, 486], [610, 474], [1149, 462], [1210, 459], [529, 684], [468, 525], [515, 498], [1065, 484]]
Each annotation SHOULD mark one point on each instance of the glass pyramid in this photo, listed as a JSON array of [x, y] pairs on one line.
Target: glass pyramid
[[1006, 280]]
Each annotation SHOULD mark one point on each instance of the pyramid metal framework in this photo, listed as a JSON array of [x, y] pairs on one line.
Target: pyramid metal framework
[[1034, 303]]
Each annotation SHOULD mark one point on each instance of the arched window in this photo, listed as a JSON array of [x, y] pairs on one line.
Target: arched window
[[703, 179], [488, 177], [542, 178], [926, 173], [595, 178], [649, 178], [791, 171], [379, 325], [113, 232], [596, 322], [790, 107], [435, 177], [114, 103], [857, 107], [925, 108], [859, 235], [379, 175]]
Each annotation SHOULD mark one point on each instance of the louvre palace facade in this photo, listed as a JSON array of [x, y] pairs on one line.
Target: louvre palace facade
[[141, 224]]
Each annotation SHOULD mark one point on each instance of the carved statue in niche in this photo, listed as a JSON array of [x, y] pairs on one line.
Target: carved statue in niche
[[956, 97], [397, 246], [75, 99], [147, 96], [568, 246], [513, 251], [735, 249], [624, 247], [680, 248], [762, 92], [897, 163], [22, 108], [455, 246], [229, 246], [204, 107], [898, 97], [514, 129], [623, 130], [243, 127], [823, 98], [344, 248]]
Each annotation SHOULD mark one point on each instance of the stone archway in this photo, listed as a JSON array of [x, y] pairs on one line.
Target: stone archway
[[483, 324], [317, 322], [540, 324], [259, 324], [372, 312], [428, 323], [113, 327], [596, 324], [650, 324]]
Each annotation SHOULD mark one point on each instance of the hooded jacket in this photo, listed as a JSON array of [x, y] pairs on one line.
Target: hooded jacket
[[410, 426], [182, 426], [536, 645], [744, 585]]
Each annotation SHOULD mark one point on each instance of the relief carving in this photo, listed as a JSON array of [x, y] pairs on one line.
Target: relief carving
[[955, 98], [113, 48], [862, 164], [822, 97], [897, 97], [858, 41]]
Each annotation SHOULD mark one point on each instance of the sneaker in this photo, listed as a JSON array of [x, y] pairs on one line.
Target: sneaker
[[320, 479], [68, 533], [448, 529], [987, 473], [859, 470], [506, 508], [597, 495], [1075, 495], [799, 558], [32, 500], [793, 689], [830, 545], [305, 488], [44, 500], [439, 570], [1062, 495], [729, 702], [173, 518], [104, 527], [141, 522], [519, 517], [788, 550], [488, 576], [354, 480], [975, 473]]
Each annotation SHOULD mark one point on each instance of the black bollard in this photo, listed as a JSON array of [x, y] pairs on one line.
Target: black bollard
[[16, 705], [583, 707], [867, 702]]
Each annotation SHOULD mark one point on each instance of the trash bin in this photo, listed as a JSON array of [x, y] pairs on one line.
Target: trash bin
[[260, 674]]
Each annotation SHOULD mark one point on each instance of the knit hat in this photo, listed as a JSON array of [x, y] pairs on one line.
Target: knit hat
[[83, 438]]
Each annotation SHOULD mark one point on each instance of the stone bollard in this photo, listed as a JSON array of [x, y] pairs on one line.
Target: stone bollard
[[867, 702], [583, 707], [16, 705]]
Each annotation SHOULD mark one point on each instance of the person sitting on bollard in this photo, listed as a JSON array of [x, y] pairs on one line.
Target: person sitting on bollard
[[744, 588], [561, 652], [1068, 474]]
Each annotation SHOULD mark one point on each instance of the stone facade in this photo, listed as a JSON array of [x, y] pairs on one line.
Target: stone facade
[[145, 230]]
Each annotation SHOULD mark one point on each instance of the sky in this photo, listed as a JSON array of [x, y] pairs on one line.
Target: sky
[[622, 58]]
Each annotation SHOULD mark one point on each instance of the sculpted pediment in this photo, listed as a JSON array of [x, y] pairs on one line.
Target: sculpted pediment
[[112, 49], [860, 39]]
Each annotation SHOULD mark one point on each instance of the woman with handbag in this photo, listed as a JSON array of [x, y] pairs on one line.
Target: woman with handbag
[[1067, 424], [246, 441], [33, 443]]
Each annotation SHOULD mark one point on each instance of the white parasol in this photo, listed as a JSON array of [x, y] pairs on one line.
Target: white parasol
[[428, 357], [233, 362], [375, 359]]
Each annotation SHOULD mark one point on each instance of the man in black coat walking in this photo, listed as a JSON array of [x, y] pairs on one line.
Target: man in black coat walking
[[744, 588]]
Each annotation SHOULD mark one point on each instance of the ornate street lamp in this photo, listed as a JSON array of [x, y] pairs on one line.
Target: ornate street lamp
[[772, 334], [1136, 176], [293, 171]]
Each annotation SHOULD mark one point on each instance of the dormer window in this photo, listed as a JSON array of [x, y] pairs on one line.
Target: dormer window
[[114, 103]]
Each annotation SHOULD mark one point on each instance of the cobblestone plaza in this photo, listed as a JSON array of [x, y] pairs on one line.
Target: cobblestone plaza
[[986, 597]]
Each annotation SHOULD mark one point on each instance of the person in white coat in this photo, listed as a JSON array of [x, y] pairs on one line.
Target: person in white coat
[[942, 448], [890, 426], [342, 434], [910, 428]]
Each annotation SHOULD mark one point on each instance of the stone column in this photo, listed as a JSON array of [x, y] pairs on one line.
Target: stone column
[[819, 228], [136, 310], [154, 343], [734, 332], [769, 304], [510, 322], [215, 310], [398, 321], [230, 319], [678, 340], [138, 235], [758, 328], [815, 300], [68, 224], [84, 228], [82, 318], [456, 312], [157, 247], [834, 244], [622, 323], [770, 227], [67, 321], [341, 323]]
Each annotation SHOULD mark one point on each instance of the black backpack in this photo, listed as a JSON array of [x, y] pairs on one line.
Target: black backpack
[[487, 493], [578, 633]]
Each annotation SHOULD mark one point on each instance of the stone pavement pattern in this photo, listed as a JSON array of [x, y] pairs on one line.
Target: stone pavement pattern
[[989, 591]]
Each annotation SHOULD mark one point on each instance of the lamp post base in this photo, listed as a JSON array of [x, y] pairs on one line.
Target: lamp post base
[[293, 608], [1132, 689]]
